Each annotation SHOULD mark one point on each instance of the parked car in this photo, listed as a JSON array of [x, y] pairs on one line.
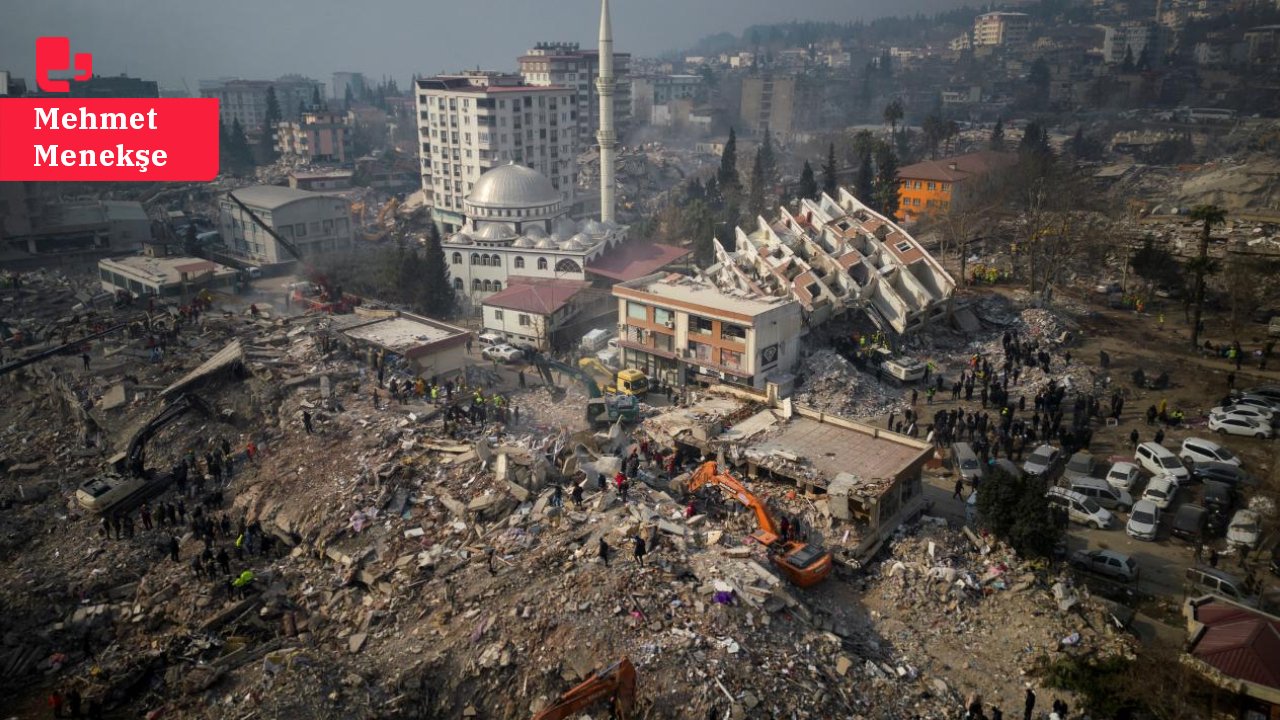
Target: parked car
[[502, 353], [1160, 460], [1266, 402], [1101, 492], [1220, 496], [1270, 392], [1123, 476], [1160, 491], [1079, 508], [1043, 462], [1189, 522], [1109, 563], [489, 337], [1227, 425], [1202, 580], [1144, 521], [965, 462], [1245, 529], [1081, 465], [1260, 415], [1196, 450], [1221, 472]]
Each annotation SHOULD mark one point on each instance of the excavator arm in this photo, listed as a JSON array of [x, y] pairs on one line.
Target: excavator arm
[[136, 453], [617, 682], [709, 474]]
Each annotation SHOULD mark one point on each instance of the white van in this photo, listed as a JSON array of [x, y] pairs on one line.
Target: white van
[[1200, 580], [1196, 450], [1101, 492], [1160, 460], [1079, 508]]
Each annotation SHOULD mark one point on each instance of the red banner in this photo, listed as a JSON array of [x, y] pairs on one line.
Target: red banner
[[117, 140]]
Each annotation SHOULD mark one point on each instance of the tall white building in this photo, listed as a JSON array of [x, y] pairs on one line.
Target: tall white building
[[1001, 28], [1133, 37], [475, 121], [246, 100], [566, 65]]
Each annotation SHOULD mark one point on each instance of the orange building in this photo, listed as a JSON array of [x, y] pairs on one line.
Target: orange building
[[928, 187]]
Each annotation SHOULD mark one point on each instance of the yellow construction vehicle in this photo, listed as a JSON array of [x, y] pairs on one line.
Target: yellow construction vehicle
[[627, 382]]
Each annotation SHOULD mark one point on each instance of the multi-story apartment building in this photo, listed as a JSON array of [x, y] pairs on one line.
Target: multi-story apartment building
[[1133, 38], [246, 100], [564, 64], [769, 102], [476, 121], [314, 223], [346, 81], [653, 91], [317, 137], [929, 187], [671, 324], [1001, 29]]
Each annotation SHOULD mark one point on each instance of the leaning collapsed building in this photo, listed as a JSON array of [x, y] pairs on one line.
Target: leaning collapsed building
[[833, 256]]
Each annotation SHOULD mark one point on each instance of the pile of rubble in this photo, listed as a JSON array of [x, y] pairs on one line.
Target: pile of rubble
[[833, 384]]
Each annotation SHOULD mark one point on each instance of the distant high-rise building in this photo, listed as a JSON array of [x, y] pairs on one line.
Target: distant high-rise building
[[1135, 37], [115, 86], [566, 65], [317, 137], [344, 81], [1001, 29], [768, 102], [476, 121], [246, 100]]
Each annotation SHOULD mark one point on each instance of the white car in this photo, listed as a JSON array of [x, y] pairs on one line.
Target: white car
[[1256, 413], [1259, 401], [502, 353], [1245, 529], [1161, 490], [1198, 450], [1227, 425], [489, 337], [1144, 521], [1123, 476]]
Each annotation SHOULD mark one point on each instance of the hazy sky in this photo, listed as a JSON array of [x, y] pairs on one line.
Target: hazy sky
[[176, 40]]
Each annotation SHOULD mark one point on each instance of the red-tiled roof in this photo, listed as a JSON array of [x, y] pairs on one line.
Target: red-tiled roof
[[965, 166], [1239, 642], [536, 295], [635, 260]]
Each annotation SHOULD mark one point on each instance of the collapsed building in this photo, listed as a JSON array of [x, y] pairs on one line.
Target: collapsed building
[[833, 256]]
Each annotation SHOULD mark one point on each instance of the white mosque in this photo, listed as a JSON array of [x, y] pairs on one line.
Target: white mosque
[[516, 223]]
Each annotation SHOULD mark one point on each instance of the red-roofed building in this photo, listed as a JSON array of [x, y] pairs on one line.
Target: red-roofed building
[[930, 186], [533, 310], [1238, 649], [635, 260]]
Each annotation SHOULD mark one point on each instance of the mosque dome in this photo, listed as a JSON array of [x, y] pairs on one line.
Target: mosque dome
[[513, 186], [523, 242], [545, 244], [593, 227], [461, 239], [496, 231]]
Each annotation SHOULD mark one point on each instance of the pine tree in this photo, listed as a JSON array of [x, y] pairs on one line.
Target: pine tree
[[239, 152], [830, 182], [1127, 64], [347, 98], [808, 184], [267, 143], [728, 174], [316, 101], [887, 181], [435, 277], [865, 187], [997, 135], [767, 158], [756, 200]]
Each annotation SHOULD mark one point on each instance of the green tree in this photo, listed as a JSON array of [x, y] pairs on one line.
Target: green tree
[[439, 296], [728, 174], [997, 135], [1039, 77], [864, 187], [893, 114], [1127, 64], [756, 198], [830, 182], [1015, 510], [808, 189], [317, 102], [239, 152], [933, 128], [1202, 265], [699, 223], [267, 143], [347, 98], [886, 192], [768, 159]]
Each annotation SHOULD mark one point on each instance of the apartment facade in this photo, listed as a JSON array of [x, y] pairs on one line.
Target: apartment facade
[[566, 65], [1133, 37], [768, 103], [471, 123], [654, 91], [1006, 29], [246, 100], [313, 222], [929, 187], [317, 137], [687, 331]]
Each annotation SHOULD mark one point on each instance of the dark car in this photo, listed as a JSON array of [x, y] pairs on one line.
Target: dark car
[[1221, 472], [1189, 522], [1221, 497]]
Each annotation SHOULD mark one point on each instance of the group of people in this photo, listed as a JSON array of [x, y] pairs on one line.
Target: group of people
[[974, 710]]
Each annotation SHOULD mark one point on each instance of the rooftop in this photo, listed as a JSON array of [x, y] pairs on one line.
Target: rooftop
[[958, 167], [513, 186], [681, 290], [270, 197], [1239, 642], [411, 336], [635, 260], [166, 270], [536, 295]]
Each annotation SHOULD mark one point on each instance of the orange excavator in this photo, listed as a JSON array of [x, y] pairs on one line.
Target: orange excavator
[[617, 682], [804, 565]]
